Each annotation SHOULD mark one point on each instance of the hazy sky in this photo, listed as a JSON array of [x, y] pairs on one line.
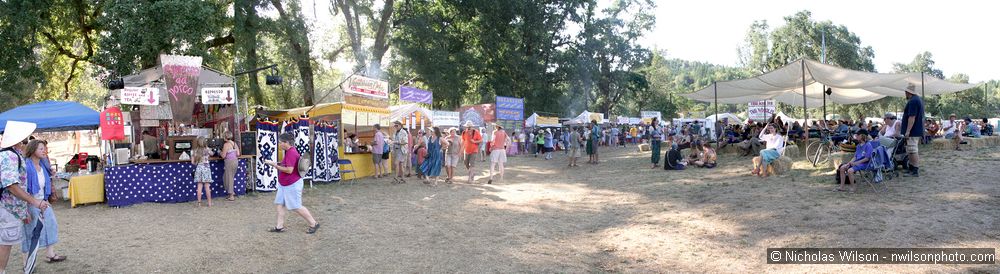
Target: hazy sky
[[962, 34]]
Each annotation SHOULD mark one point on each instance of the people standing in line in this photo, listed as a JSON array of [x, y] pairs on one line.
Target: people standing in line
[[289, 194], [378, 153], [595, 133], [431, 168], [913, 128], [39, 179], [202, 172], [471, 138], [498, 151], [574, 146], [655, 140], [15, 198], [230, 153], [400, 156]]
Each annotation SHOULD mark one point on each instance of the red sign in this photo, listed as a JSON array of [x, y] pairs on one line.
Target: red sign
[[112, 124]]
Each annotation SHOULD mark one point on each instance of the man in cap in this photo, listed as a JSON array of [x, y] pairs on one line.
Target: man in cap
[[13, 178], [471, 138], [913, 127]]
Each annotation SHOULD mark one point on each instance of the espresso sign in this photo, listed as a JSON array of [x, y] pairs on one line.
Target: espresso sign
[[218, 96]]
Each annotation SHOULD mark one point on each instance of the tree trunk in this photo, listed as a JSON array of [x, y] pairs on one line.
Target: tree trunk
[[295, 32]]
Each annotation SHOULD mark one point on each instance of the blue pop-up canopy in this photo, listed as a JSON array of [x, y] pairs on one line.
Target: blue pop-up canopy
[[54, 116]]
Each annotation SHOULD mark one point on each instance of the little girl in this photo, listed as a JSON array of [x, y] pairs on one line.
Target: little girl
[[202, 174]]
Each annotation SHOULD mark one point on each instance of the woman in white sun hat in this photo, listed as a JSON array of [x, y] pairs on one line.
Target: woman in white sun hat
[[13, 177]]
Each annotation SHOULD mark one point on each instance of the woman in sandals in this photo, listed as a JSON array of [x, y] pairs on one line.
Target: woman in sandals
[[40, 186], [289, 194]]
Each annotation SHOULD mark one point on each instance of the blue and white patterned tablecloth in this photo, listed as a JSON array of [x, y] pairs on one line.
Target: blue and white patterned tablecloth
[[165, 182]]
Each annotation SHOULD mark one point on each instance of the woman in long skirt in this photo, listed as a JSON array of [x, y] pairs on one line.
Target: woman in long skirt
[[432, 165]]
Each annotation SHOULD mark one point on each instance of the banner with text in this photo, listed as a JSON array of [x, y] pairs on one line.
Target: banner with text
[[509, 108], [651, 114], [140, 96], [416, 95], [365, 101], [760, 111], [218, 96], [366, 86], [181, 74], [446, 118]]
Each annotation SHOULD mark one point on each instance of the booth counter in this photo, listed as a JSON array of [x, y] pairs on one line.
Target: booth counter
[[166, 181]]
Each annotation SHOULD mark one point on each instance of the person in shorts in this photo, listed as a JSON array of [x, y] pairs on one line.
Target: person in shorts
[[574, 146], [452, 145], [400, 154], [13, 179], [913, 128], [378, 148], [289, 194], [498, 151], [470, 144]]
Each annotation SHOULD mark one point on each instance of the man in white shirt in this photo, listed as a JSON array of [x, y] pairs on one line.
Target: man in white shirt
[[951, 130]]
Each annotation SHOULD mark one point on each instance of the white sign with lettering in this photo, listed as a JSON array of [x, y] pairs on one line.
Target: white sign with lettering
[[218, 96], [140, 96]]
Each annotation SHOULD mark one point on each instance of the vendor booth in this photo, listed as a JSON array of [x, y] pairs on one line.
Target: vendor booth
[[334, 122], [52, 116], [173, 105]]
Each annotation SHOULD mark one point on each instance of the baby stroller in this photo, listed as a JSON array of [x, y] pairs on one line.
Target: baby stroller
[[898, 155]]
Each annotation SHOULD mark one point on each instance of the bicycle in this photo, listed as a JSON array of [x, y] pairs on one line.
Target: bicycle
[[820, 152]]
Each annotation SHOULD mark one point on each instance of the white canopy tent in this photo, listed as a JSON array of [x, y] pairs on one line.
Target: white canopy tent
[[730, 118], [786, 85], [403, 112]]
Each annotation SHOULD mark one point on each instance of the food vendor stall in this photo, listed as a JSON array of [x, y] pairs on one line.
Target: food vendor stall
[[173, 105]]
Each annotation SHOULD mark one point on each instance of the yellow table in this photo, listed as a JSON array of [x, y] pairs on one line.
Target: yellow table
[[86, 189]]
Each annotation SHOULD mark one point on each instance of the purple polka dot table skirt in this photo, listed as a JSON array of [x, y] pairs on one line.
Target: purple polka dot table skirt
[[165, 182]]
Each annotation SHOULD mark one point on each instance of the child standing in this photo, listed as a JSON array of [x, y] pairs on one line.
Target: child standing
[[202, 174]]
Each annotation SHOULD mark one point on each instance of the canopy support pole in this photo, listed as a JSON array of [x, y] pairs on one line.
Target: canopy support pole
[[715, 86], [824, 102], [922, 85], [805, 114]]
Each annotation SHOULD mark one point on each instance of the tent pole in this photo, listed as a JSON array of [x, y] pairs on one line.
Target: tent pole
[[824, 102], [805, 114], [715, 86], [922, 85]]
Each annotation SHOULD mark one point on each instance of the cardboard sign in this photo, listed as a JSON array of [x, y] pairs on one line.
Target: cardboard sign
[[509, 108], [416, 95], [365, 86], [365, 101], [218, 96], [760, 111], [181, 73], [140, 96]]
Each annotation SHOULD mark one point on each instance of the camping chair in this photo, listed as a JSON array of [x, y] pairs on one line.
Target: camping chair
[[879, 165], [343, 172]]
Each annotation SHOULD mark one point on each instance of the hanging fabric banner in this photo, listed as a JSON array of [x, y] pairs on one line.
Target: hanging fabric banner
[[301, 132], [181, 74], [267, 149], [112, 124], [416, 95], [325, 166]]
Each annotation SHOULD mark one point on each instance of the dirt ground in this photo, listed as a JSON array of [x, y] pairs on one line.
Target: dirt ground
[[619, 216]]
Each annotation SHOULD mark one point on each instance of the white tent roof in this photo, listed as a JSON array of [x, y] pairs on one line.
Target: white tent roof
[[398, 113], [531, 120], [848, 86], [583, 118], [153, 77], [732, 118]]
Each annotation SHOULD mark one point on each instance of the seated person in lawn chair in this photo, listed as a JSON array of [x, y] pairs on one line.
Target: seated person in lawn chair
[[862, 156]]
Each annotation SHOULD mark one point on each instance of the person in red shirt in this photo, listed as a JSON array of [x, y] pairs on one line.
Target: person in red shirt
[[289, 194], [498, 151], [470, 140]]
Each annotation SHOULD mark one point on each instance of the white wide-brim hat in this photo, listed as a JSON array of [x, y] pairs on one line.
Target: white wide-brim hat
[[15, 132], [469, 124]]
